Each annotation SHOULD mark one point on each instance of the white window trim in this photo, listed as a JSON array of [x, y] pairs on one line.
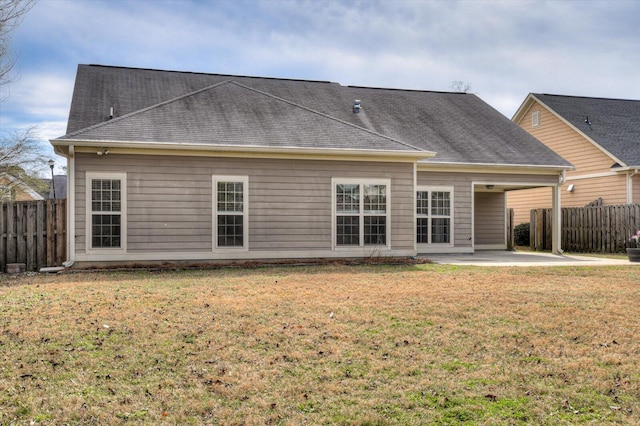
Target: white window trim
[[122, 177], [245, 211], [431, 189], [535, 119], [360, 181]]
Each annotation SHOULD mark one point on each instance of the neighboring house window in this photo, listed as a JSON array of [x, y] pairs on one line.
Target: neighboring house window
[[434, 221], [106, 224], [230, 211], [361, 210], [535, 119]]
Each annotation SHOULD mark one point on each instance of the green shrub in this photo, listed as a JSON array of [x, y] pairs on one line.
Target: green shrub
[[521, 234]]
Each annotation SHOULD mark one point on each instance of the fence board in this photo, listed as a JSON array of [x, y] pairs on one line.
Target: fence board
[[50, 234], [33, 233], [11, 237], [40, 230], [60, 231], [3, 238], [604, 229], [31, 247]]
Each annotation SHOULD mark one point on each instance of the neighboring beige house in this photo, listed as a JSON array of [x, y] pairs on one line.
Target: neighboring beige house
[[15, 189], [181, 166], [600, 137]]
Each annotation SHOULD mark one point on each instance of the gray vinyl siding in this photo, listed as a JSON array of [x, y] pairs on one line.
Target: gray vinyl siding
[[169, 200], [489, 223], [463, 193]]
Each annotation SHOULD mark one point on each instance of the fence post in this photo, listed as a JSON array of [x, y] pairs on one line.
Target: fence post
[[60, 231], [540, 229], [3, 237], [30, 236], [510, 230], [532, 229], [40, 230]]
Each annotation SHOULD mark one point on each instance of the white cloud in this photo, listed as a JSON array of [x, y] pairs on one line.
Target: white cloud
[[504, 49], [42, 95]]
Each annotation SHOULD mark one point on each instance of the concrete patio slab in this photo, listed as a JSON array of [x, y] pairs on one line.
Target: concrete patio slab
[[511, 258]]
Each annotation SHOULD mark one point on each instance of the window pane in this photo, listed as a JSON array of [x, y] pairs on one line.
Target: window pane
[[422, 230], [440, 230], [347, 230], [230, 196], [422, 203], [440, 203], [105, 195], [348, 198], [105, 230], [375, 230], [375, 198], [230, 231]]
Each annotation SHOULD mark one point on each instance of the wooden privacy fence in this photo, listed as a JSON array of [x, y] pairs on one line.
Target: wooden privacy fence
[[601, 229], [33, 233]]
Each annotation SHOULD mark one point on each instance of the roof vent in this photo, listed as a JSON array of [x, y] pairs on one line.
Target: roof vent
[[110, 113], [356, 106]]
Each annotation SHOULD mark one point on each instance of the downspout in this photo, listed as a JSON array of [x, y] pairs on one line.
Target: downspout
[[556, 226], [71, 207]]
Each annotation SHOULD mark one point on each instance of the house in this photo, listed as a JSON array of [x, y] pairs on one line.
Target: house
[[600, 137], [171, 166], [13, 188], [59, 188]]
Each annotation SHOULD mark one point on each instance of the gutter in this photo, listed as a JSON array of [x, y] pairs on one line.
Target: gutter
[[453, 166], [414, 155]]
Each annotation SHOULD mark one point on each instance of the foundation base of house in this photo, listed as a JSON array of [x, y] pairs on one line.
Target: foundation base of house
[[214, 264]]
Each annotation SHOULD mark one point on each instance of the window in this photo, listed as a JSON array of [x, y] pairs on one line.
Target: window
[[230, 211], [361, 213], [535, 119], [433, 215], [105, 224]]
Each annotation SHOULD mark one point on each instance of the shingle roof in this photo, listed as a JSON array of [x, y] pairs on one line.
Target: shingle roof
[[157, 106], [231, 114], [60, 182], [614, 123]]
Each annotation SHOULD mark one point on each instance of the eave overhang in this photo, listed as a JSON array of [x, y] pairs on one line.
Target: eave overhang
[[492, 167], [61, 146], [625, 169]]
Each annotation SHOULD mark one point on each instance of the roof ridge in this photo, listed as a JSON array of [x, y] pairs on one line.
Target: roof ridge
[[586, 97], [145, 109], [328, 116], [210, 74], [409, 90]]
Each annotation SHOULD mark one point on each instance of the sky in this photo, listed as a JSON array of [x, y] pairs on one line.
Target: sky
[[502, 49]]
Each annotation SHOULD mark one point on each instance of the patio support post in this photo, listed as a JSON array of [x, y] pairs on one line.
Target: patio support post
[[556, 221]]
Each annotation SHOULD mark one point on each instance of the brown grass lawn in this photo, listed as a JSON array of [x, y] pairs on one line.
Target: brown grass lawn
[[329, 344]]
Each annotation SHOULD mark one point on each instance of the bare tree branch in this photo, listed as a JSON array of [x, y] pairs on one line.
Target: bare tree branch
[[460, 86], [22, 159], [11, 14], [21, 149]]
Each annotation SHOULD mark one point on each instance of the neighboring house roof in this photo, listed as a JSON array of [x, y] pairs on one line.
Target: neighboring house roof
[[612, 124], [9, 181], [60, 186], [156, 107]]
